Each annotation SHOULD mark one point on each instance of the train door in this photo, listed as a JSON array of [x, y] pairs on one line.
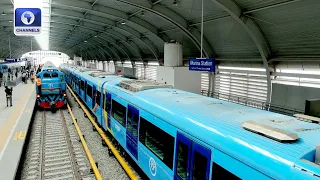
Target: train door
[[78, 85], [94, 96], [108, 109], [132, 130], [192, 161], [73, 82], [85, 91]]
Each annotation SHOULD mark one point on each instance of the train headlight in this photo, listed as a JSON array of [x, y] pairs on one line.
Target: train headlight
[[64, 94], [38, 96]]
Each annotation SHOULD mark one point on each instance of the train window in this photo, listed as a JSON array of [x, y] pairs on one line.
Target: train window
[[199, 170], [89, 91], [82, 85], [129, 119], [98, 98], [182, 163], [132, 123], [157, 141], [119, 112], [46, 75], [135, 125], [219, 172]]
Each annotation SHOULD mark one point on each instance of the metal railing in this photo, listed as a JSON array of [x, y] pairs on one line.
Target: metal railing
[[253, 103]]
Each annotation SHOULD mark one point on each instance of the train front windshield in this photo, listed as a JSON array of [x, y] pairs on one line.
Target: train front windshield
[[51, 74]]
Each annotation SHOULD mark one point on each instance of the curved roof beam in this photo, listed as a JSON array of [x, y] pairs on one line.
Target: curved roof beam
[[100, 20], [15, 45], [108, 39], [97, 53], [86, 44], [254, 32], [110, 49], [103, 50], [108, 31], [115, 45], [175, 19]]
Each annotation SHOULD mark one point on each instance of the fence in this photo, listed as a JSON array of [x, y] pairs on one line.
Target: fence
[[253, 103]]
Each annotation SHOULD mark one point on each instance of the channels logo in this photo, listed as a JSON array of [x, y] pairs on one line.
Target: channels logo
[[28, 21], [27, 18]]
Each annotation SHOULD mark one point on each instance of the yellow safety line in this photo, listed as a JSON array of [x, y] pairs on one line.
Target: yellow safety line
[[85, 146], [125, 166], [7, 126]]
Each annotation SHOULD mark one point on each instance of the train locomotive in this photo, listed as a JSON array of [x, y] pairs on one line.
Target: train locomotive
[[173, 134], [52, 92]]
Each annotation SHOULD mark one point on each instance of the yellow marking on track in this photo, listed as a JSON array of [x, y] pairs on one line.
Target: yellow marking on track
[[123, 163], [85, 146], [6, 128]]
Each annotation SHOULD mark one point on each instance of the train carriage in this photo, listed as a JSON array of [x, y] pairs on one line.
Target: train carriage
[[173, 134], [52, 92]]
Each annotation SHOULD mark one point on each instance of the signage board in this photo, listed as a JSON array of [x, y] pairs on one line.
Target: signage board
[[202, 64], [10, 60], [27, 18], [14, 59]]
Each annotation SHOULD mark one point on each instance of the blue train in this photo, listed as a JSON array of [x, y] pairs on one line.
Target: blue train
[[52, 92], [173, 134], [4, 66]]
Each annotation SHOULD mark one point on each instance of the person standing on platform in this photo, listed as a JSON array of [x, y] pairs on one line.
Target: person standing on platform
[[39, 85], [11, 75], [8, 95], [23, 77], [16, 74]]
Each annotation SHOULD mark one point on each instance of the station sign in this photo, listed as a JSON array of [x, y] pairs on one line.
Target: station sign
[[14, 59], [27, 18], [202, 64]]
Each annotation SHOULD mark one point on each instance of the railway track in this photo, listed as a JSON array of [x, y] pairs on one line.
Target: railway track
[[54, 151]]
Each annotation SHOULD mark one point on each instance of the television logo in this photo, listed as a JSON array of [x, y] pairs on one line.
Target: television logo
[[28, 21]]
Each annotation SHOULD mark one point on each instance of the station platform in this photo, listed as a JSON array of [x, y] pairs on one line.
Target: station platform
[[14, 125]]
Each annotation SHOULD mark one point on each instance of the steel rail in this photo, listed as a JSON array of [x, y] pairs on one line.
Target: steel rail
[[85, 146], [122, 162]]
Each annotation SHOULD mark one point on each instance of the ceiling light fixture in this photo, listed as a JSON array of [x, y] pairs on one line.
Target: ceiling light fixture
[[10, 20], [123, 22], [175, 3], [85, 41], [3, 14], [95, 36]]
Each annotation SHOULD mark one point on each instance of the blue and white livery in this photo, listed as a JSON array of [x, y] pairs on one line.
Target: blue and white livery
[[173, 134]]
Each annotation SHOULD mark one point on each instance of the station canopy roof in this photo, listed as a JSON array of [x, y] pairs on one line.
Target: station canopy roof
[[122, 30]]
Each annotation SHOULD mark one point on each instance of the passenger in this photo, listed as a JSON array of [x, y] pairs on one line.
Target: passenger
[[11, 75], [32, 78], [23, 77], [8, 95], [39, 85], [16, 74]]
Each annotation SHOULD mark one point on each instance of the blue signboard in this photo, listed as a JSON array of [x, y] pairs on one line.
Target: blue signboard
[[10, 60], [14, 59], [27, 21], [202, 64]]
